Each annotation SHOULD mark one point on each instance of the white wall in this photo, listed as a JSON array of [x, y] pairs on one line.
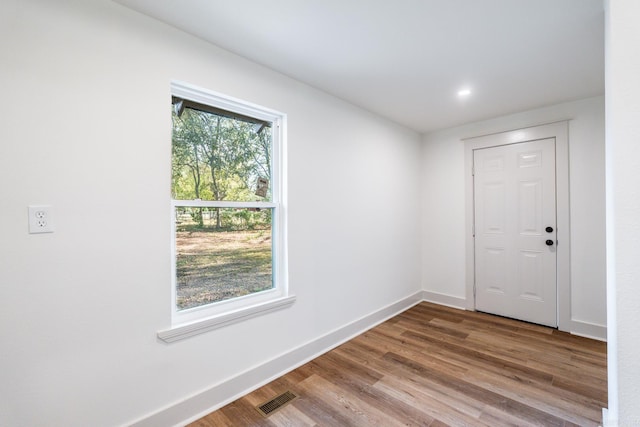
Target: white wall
[[443, 197], [623, 210], [86, 128]]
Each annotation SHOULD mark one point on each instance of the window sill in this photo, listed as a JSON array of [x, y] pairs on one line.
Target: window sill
[[181, 332]]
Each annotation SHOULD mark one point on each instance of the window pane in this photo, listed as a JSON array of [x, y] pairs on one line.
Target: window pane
[[221, 254], [215, 157]]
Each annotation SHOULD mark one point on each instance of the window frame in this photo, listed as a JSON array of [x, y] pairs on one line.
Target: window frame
[[194, 320]]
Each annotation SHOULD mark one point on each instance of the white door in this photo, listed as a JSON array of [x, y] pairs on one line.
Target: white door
[[515, 231]]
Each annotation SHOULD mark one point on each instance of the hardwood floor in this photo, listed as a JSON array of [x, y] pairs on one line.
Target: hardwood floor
[[438, 366]]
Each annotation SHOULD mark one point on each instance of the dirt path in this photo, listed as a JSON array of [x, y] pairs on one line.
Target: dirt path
[[217, 265]]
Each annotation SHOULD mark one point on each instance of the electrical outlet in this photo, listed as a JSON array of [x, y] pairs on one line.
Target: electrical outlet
[[40, 219]]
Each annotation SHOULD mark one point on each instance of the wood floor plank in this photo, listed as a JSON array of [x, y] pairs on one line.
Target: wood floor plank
[[563, 404], [242, 413], [481, 358], [322, 413], [438, 366], [216, 419], [347, 404], [362, 388], [345, 368], [290, 416], [473, 392], [578, 387], [402, 390]]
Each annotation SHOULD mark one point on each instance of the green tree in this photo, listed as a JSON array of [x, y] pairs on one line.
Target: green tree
[[218, 158], [187, 139]]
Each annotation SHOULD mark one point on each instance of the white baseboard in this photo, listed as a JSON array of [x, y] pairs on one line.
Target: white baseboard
[[444, 299], [606, 421], [182, 413], [589, 330]]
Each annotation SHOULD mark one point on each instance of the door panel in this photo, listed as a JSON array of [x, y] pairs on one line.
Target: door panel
[[530, 201], [530, 265], [514, 201], [493, 206], [494, 260]]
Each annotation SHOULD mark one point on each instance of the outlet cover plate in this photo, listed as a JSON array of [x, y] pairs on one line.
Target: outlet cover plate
[[40, 219]]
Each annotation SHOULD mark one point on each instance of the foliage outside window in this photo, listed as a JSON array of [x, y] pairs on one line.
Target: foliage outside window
[[225, 188]]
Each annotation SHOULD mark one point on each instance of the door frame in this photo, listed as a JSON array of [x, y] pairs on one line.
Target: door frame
[[559, 131]]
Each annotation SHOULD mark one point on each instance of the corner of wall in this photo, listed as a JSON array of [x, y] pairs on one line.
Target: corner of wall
[[444, 299], [588, 330]]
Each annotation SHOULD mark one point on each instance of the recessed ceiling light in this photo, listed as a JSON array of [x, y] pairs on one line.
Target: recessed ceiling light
[[464, 92]]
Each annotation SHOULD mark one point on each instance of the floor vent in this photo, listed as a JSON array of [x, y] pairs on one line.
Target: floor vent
[[278, 402]]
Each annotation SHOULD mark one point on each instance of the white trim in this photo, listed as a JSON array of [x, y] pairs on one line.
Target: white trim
[[211, 323], [229, 103], [606, 421], [215, 397], [221, 204], [532, 125], [443, 299], [559, 131], [589, 330]]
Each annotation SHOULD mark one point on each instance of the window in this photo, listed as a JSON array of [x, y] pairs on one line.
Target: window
[[227, 205]]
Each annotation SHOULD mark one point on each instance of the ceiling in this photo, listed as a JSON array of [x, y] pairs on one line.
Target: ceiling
[[407, 59]]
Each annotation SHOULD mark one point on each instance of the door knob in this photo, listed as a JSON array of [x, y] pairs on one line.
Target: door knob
[[549, 242], [549, 229]]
